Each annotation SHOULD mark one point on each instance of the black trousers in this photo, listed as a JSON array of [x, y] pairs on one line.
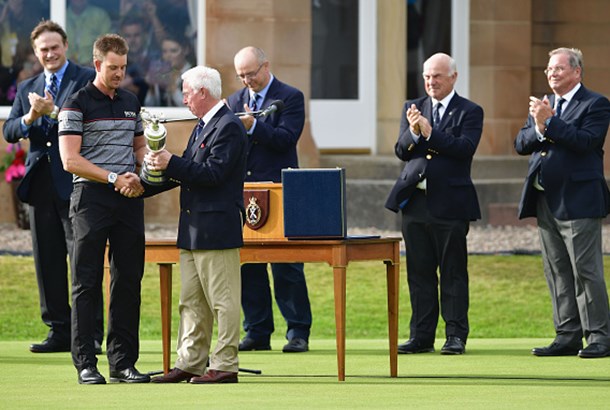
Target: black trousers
[[52, 244], [290, 289], [99, 214], [435, 244]]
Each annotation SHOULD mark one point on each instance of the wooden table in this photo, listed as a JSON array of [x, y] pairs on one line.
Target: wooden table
[[337, 253]]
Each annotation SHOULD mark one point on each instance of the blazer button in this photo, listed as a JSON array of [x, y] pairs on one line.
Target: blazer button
[[249, 173], [428, 156], [49, 143], [543, 154]]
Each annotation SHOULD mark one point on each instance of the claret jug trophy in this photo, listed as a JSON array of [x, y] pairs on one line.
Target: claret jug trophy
[[156, 136]]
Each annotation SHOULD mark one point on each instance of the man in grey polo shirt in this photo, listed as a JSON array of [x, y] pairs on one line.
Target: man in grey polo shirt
[[100, 139]]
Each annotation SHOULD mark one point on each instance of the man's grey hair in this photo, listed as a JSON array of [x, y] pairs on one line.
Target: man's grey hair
[[574, 56], [204, 77]]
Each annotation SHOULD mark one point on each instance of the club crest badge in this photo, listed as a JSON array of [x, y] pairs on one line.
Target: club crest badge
[[257, 208]]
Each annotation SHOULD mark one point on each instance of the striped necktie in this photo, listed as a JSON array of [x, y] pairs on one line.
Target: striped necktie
[[47, 122], [436, 115], [254, 102]]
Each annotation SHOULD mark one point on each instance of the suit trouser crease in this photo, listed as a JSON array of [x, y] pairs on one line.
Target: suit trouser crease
[[210, 290], [573, 268], [291, 296], [100, 215], [436, 244], [52, 243]]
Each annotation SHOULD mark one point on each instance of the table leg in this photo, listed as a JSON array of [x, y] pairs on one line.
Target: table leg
[[339, 288], [393, 281], [165, 281]]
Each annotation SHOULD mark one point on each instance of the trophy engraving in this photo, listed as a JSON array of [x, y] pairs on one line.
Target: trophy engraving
[[156, 136]]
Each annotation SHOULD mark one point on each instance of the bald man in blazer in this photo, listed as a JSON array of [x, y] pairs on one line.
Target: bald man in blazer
[[438, 137]]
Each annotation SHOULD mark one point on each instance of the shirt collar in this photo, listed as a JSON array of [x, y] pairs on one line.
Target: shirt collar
[[445, 101], [59, 74], [568, 96], [263, 93], [210, 114]]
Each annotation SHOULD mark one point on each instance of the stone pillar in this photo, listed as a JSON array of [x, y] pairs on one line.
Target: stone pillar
[[500, 69]]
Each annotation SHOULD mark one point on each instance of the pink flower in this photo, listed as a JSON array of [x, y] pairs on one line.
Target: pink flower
[[13, 164]]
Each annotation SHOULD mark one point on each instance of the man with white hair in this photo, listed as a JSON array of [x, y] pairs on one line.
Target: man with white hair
[[211, 175]]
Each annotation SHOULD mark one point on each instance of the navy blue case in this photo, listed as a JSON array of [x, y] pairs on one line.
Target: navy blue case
[[314, 203]]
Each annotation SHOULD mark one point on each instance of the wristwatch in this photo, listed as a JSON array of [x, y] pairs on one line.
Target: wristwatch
[[54, 113], [112, 179]]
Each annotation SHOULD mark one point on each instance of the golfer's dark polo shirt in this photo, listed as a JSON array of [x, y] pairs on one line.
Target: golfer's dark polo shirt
[[107, 126]]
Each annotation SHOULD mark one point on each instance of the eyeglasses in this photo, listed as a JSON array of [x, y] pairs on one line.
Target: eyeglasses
[[552, 70], [247, 76]]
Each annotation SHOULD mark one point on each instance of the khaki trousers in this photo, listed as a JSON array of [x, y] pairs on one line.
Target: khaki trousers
[[211, 290]]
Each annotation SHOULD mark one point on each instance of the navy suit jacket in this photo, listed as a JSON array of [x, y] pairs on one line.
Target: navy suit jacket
[[273, 145], [570, 161], [44, 143], [444, 160], [211, 175]]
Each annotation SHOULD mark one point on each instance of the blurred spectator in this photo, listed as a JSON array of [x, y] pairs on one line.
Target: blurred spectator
[[17, 19], [164, 76], [142, 50], [84, 24]]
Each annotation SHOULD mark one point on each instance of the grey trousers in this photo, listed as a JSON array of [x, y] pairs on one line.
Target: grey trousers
[[574, 271]]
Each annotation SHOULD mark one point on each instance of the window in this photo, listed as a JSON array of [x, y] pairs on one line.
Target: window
[[334, 60], [428, 32], [162, 37]]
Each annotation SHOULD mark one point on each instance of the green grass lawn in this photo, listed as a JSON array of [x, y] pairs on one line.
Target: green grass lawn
[[508, 298], [510, 313]]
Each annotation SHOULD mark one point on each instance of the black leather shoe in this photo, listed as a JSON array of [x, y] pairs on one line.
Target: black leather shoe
[[50, 346], [90, 375], [593, 351], [249, 344], [98, 347], [556, 349], [415, 346], [454, 345], [296, 345], [129, 375]]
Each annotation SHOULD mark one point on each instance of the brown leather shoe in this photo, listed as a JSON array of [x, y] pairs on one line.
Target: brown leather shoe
[[174, 376], [215, 376]]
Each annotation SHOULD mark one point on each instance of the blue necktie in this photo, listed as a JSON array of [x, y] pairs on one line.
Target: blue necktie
[[52, 88], [254, 102], [196, 133], [436, 117], [559, 107]]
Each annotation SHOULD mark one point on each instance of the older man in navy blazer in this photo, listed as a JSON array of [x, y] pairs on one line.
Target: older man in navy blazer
[[211, 176], [272, 146], [46, 187], [565, 189], [438, 137]]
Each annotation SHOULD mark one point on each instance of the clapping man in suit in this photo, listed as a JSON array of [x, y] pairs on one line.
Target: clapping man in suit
[[566, 191], [438, 137], [272, 146], [211, 176], [46, 187]]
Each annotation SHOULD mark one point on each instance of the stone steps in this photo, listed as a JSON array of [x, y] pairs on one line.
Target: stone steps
[[498, 180]]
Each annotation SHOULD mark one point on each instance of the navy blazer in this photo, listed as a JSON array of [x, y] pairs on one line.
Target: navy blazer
[[570, 161], [444, 160], [273, 145], [44, 145], [211, 175]]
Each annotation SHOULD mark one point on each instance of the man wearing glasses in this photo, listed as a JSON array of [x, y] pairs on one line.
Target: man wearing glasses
[[567, 192], [272, 146]]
